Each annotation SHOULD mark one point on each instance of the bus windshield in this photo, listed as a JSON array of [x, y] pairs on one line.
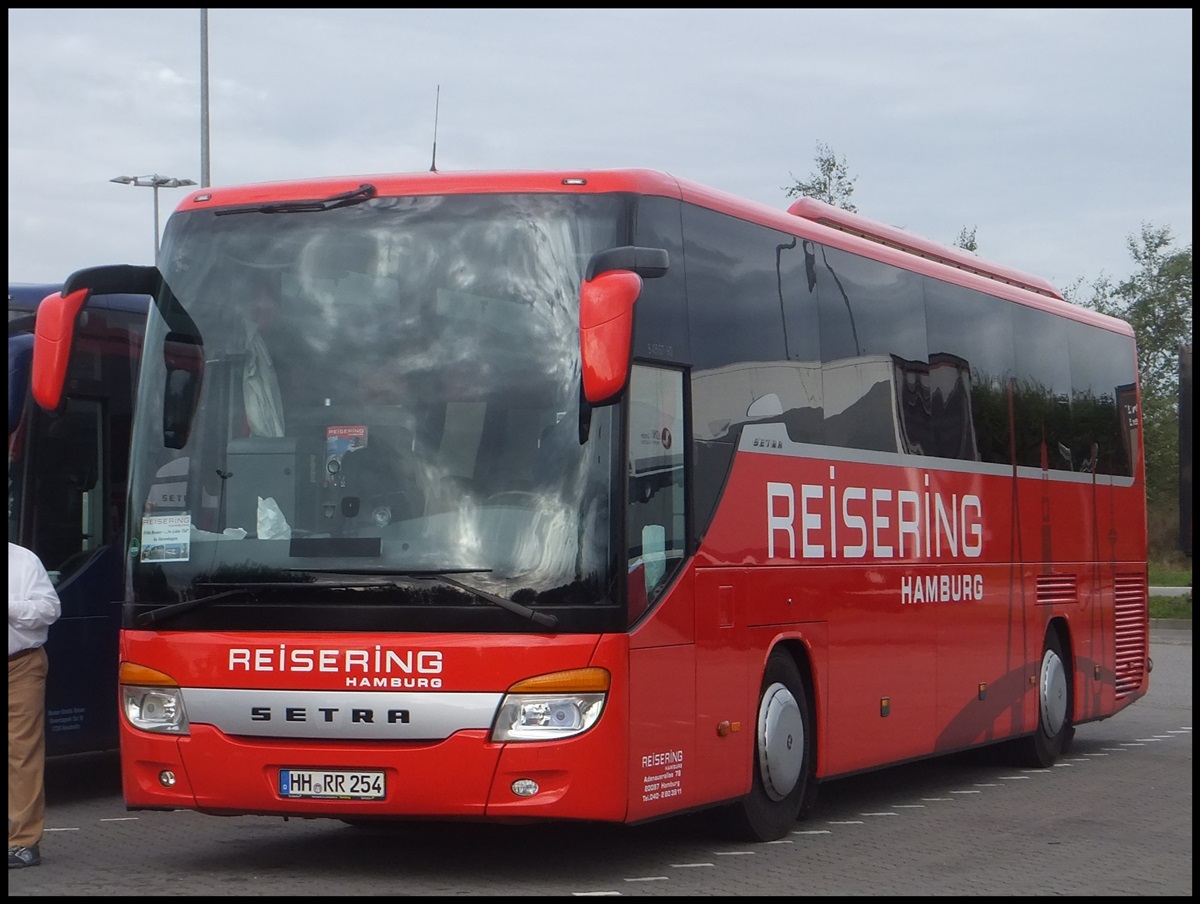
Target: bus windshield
[[388, 387]]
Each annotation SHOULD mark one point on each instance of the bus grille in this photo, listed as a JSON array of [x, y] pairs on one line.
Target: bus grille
[[1130, 616], [1057, 589]]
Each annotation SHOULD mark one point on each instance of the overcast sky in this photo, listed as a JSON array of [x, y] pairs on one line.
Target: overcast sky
[[1056, 134]]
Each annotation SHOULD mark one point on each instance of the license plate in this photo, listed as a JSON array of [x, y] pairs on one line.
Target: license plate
[[335, 784]]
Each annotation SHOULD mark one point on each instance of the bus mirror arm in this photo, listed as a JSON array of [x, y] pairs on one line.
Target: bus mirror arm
[[115, 279], [648, 263], [130, 279], [585, 417]]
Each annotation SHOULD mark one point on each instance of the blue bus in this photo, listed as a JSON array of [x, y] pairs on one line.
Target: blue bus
[[67, 477]]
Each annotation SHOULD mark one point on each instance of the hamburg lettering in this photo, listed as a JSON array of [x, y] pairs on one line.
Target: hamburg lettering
[[941, 588], [394, 682], [828, 521]]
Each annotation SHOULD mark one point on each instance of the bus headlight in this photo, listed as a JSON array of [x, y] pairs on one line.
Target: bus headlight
[[154, 709], [155, 704], [551, 707]]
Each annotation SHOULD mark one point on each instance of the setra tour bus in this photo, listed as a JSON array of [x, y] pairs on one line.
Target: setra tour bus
[[604, 496], [67, 472]]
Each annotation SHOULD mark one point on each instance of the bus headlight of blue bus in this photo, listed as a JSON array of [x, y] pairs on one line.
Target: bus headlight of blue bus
[[551, 707], [151, 700]]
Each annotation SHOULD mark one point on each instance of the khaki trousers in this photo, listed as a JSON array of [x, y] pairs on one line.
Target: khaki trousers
[[26, 747]]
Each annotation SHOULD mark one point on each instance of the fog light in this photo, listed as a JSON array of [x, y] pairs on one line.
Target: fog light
[[525, 787], [166, 778]]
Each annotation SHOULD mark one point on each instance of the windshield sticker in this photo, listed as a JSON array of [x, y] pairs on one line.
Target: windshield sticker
[[166, 538], [339, 441]]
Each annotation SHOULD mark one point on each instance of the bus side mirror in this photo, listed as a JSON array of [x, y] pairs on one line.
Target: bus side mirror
[[606, 332], [611, 285], [53, 334], [181, 391]]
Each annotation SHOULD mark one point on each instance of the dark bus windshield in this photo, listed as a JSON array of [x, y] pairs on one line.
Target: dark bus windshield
[[385, 388]]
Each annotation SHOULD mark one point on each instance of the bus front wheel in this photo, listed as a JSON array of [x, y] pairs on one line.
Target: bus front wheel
[[783, 769], [1054, 728]]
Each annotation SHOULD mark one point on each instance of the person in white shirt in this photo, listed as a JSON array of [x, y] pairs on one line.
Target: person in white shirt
[[260, 383], [33, 606]]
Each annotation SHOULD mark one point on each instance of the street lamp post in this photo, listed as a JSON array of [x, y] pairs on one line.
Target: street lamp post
[[155, 182], [204, 98]]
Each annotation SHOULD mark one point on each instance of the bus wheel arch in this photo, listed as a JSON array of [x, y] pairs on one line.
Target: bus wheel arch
[[783, 783]]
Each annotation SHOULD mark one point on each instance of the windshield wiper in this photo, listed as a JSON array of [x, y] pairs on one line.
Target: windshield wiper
[[251, 588], [364, 192], [162, 613], [542, 618]]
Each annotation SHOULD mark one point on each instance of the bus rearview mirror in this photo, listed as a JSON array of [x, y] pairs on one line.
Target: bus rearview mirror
[[612, 282], [606, 332], [53, 335]]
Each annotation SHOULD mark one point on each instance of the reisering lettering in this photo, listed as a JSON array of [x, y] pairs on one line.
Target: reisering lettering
[[379, 661], [828, 521]]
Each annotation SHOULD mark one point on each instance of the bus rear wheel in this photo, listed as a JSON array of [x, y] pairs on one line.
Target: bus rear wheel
[[1054, 728], [783, 782]]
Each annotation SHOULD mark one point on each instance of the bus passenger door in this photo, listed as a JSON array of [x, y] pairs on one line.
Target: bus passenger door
[[725, 717], [675, 677]]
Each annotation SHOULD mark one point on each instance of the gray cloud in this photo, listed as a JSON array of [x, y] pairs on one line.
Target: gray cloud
[[1055, 133]]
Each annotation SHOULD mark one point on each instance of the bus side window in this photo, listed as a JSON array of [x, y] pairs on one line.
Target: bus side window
[[655, 519]]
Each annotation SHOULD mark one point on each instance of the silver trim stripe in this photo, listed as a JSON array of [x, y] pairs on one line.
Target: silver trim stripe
[[340, 715], [772, 439]]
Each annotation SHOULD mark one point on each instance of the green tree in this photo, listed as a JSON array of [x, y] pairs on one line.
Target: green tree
[[1157, 302], [966, 239], [831, 182]]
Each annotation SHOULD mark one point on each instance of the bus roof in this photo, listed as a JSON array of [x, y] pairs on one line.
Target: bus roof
[[902, 239]]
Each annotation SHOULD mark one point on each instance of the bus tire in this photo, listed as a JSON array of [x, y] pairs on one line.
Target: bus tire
[[783, 769], [1054, 728]]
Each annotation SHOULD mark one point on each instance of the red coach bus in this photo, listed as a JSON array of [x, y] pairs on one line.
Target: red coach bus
[[604, 496]]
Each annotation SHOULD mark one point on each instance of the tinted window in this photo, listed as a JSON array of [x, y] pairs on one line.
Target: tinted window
[[971, 355], [874, 355], [733, 289], [740, 279], [1042, 390], [660, 315], [1102, 365]]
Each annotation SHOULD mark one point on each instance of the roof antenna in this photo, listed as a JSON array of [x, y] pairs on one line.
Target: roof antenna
[[436, 104]]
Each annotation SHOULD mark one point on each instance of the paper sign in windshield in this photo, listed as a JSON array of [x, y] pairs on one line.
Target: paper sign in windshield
[[166, 538]]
